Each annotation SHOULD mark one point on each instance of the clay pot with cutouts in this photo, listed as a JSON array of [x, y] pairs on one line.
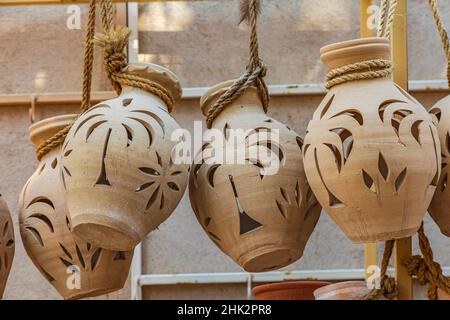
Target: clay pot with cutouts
[[289, 290], [117, 166], [76, 268], [252, 198], [371, 152], [7, 245], [440, 205]]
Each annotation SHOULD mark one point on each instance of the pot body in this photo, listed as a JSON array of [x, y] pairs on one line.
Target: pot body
[[7, 244], [118, 170], [348, 290], [76, 268], [293, 290], [372, 154], [440, 205], [253, 201]]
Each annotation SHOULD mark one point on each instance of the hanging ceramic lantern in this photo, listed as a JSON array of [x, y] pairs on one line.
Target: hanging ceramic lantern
[[6, 244], [259, 211], [76, 268], [117, 165], [372, 155], [440, 205]]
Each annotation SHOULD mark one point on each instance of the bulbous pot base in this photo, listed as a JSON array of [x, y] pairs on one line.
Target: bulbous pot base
[[95, 229], [268, 258]]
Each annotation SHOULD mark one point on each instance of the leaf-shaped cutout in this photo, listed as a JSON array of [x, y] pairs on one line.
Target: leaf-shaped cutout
[[65, 262], [207, 221], [435, 180], [226, 131], [400, 180], [54, 163], [415, 131], [10, 243], [327, 106], [126, 102], [67, 171], [5, 228], [368, 181], [153, 198], [355, 114], [298, 194], [396, 125], [259, 167], [150, 171], [68, 152], [334, 201], [214, 236], [175, 173], [144, 186], [285, 195], [68, 224], [88, 246], [268, 120], [129, 132], [103, 176], [43, 218], [447, 142], [305, 148], [95, 258], [281, 209], [382, 107], [161, 202], [147, 129], [80, 256], [299, 141], [444, 181], [211, 174], [383, 167], [87, 119], [158, 158], [120, 255], [41, 169], [437, 113], [337, 155], [173, 186], [66, 252], [92, 128], [310, 210], [154, 116], [43, 200]]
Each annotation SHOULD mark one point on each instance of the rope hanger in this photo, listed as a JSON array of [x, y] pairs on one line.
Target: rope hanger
[[114, 41]]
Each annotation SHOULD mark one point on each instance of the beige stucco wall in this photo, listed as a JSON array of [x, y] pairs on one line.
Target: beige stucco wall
[[201, 42]]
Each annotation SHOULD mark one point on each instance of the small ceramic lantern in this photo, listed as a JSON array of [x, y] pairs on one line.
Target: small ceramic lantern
[[372, 154], [440, 205], [6, 244], [117, 165], [254, 202], [76, 268]]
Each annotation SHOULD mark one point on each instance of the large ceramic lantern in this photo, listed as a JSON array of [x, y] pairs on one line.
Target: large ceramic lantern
[[6, 244], [117, 166], [76, 268], [249, 192], [372, 154], [440, 205]]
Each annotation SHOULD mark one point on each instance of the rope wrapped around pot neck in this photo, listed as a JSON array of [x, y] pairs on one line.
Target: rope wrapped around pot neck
[[369, 69], [113, 40], [255, 70], [388, 287]]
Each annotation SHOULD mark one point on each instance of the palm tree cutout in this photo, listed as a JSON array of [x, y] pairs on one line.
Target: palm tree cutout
[[246, 223], [128, 118], [162, 182], [6, 242]]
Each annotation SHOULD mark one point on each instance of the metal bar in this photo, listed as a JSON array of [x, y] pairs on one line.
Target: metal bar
[[242, 277], [195, 93], [403, 247], [136, 273]]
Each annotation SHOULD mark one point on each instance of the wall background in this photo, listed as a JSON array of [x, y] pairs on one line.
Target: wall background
[[203, 45]]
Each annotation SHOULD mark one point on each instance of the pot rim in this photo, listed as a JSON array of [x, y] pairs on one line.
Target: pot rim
[[286, 285], [339, 286], [44, 129], [158, 74], [355, 50]]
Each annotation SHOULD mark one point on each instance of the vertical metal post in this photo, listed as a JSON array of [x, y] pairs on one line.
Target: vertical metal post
[[403, 247]]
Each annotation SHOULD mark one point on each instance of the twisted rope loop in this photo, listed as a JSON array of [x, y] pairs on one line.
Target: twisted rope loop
[[426, 269], [442, 33], [369, 69], [114, 41], [254, 74], [388, 287]]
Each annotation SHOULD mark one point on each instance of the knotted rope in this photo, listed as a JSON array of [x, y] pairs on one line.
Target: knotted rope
[[442, 33], [369, 69], [426, 269], [255, 70], [388, 287], [114, 41]]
